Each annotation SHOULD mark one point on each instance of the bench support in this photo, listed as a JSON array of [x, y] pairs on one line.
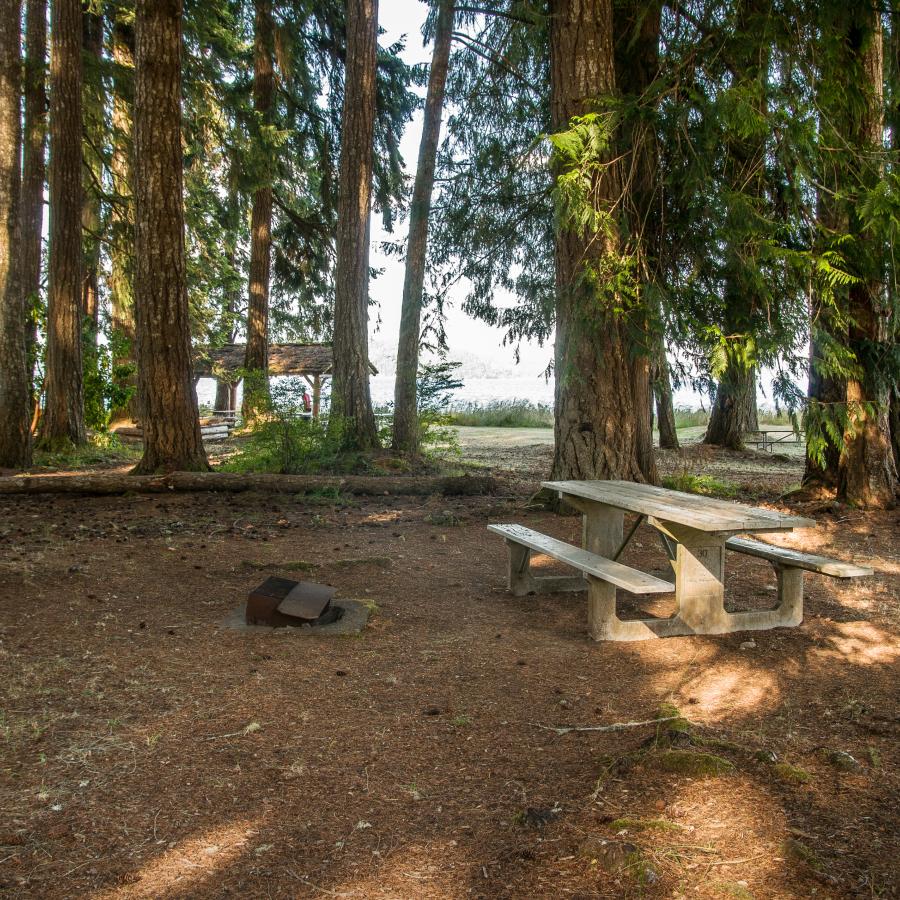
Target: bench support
[[522, 582], [700, 596]]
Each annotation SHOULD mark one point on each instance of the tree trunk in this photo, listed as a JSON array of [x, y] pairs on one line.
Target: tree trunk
[[31, 212], [406, 420], [168, 402], [351, 403], [256, 358], [15, 411], [637, 29], [595, 417], [121, 277], [665, 410], [895, 425], [867, 475], [733, 411], [223, 396], [93, 103], [63, 422]]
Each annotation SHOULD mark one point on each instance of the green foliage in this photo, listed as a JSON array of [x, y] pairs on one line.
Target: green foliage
[[706, 485], [102, 449], [105, 387], [503, 414], [435, 384], [283, 440]]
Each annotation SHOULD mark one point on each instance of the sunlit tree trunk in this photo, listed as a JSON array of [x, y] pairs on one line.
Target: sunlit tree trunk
[[168, 402], [733, 411], [121, 227], [406, 424], [93, 102], [595, 431], [15, 406], [867, 475], [63, 422], [256, 359], [637, 29], [351, 401], [665, 409], [31, 212]]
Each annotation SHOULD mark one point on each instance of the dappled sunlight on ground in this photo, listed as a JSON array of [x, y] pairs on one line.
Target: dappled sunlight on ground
[[859, 644], [735, 688], [183, 865]]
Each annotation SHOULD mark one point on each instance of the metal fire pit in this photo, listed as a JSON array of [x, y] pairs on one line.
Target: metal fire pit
[[281, 602]]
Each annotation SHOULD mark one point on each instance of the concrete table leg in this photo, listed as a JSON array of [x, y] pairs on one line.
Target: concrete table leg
[[603, 530]]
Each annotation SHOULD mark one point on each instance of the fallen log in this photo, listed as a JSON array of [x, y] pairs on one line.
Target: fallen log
[[116, 483]]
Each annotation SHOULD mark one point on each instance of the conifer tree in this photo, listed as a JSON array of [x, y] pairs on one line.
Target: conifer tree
[[405, 435], [351, 403], [168, 403], [15, 440], [256, 360], [31, 211], [63, 422]]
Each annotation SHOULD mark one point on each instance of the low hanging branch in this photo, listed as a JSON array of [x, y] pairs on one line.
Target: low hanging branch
[[234, 482]]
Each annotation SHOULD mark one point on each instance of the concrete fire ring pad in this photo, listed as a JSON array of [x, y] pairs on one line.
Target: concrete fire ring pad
[[354, 619]]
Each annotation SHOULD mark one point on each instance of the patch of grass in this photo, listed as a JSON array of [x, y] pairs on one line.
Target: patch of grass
[[503, 414], [696, 765], [685, 417], [791, 774], [732, 889], [101, 449], [461, 721], [383, 562], [706, 485]]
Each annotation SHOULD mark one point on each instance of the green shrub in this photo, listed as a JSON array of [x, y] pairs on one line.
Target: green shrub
[[286, 442], [685, 417], [102, 448], [699, 484], [503, 414]]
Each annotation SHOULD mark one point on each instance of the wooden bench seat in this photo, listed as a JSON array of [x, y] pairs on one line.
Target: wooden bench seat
[[782, 556], [522, 541]]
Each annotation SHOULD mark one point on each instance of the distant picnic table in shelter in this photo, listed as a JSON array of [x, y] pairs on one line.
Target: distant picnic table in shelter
[[314, 362]]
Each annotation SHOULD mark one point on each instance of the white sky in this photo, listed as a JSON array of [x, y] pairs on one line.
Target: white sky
[[467, 337]]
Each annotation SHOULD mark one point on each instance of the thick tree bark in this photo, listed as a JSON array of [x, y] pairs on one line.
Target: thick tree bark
[[665, 409], [31, 212], [595, 419], [733, 412], [406, 420], [63, 422], [351, 401], [93, 102], [637, 29], [168, 402], [867, 475], [121, 252], [15, 405], [256, 357]]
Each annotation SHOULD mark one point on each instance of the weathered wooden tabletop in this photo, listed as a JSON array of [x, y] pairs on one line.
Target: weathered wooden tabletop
[[701, 513]]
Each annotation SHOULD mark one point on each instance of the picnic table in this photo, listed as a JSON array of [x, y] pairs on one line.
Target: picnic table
[[695, 530], [767, 438]]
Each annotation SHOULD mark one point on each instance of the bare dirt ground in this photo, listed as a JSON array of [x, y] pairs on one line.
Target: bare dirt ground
[[148, 753]]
